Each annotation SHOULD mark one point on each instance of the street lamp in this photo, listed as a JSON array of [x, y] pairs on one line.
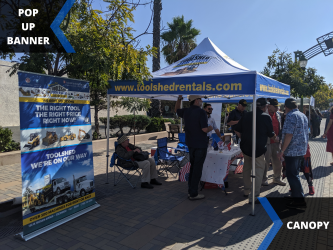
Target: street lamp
[[325, 45], [301, 58]]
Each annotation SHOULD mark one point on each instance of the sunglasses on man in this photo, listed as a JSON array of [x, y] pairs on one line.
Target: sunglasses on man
[[210, 108]]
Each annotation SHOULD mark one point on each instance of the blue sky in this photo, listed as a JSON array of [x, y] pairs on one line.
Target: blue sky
[[249, 30]]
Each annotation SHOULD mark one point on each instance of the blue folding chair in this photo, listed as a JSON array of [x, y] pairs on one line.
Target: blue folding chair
[[124, 172], [182, 145], [215, 137], [165, 159]]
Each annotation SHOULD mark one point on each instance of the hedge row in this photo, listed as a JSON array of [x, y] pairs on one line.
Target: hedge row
[[142, 122]]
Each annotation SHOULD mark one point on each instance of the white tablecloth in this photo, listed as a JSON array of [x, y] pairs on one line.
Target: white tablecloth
[[216, 166]]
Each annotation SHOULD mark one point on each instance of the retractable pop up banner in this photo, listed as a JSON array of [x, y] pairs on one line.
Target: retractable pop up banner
[[56, 151]]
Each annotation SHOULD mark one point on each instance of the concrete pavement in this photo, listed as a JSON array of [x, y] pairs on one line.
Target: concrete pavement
[[163, 218]]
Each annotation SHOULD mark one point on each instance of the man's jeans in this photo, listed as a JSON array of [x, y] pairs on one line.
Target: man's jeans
[[293, 165], [197, 159]]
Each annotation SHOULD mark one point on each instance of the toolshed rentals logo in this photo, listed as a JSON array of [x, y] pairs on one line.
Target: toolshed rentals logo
[[57, 90], [189, 64]]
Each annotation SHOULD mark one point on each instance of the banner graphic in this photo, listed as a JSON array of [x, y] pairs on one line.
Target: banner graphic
[[56, 149]]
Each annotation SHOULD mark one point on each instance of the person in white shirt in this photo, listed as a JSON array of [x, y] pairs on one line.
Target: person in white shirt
[[211, 122]]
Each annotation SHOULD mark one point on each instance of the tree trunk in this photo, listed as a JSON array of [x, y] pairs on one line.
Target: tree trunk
[[96, 115], [157, 33], [156, 104], [155, 108]]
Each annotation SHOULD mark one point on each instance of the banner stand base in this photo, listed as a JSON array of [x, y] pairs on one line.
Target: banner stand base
[[55, 224]]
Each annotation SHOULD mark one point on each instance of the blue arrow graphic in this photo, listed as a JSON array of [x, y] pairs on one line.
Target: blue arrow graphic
[[56, 23], [277, 223]]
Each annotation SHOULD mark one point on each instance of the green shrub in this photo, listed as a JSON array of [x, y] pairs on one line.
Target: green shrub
[[141, 122], [176, 121], [96, 136], [121, 121], [112, 124], [6, 141], [156, 125], [169, 120]]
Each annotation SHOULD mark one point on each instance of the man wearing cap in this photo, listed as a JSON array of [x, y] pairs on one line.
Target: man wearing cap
[[196, 129], [294, 146], [208, 108], [273, 147], [126, 151], [264, 130], [237, 114]]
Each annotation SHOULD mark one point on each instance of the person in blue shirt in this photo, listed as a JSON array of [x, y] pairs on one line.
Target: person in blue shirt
[[294, 145], [196, 129]]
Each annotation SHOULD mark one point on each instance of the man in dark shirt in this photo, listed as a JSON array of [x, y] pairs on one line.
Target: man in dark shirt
[[264, 130], [237, 114], [196, 129]]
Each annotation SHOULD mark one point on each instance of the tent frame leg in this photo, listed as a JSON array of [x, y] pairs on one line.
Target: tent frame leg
[[107, 139], [254, 130]]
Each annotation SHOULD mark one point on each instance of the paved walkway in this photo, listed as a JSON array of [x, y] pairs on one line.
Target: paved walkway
[[163, 218]]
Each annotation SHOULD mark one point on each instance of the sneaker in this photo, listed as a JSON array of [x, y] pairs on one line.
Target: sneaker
[[296, 205], [155, 182], [265, 183], [146, 185], [198, 197], [278, 182], [311, 190], [256, 202]]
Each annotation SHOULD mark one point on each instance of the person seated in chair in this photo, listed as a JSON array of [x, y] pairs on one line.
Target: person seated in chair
[[126, 150]]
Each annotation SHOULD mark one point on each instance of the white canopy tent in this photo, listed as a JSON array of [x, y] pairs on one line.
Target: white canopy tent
[[206, 71]]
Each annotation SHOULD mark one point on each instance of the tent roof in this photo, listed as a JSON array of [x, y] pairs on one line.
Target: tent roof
[[206, 71], [205, 59]]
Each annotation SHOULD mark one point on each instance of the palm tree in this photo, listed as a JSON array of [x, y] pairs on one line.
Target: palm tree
[[179, 40], [156, 104]]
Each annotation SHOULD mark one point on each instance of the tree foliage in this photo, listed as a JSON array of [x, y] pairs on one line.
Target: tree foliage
[[323, 95], [104, 48], [133, 104], [303, 82], [179, 40]]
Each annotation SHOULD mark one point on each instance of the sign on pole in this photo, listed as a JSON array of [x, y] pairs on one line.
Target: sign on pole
[[312, 101], [56, 151]]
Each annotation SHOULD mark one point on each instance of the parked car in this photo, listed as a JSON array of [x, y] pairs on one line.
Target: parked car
[[325, 113]]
